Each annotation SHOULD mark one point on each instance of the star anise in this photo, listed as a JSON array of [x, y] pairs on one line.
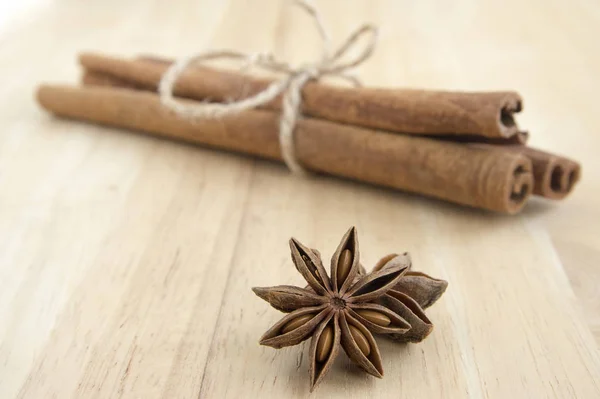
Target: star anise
[[413, 293], [340, 310]]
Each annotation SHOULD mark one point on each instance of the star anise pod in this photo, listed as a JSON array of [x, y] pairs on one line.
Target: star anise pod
[[336, 311], [413, 293]]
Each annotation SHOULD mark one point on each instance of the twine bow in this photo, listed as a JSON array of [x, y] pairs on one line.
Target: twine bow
[[330, 64]]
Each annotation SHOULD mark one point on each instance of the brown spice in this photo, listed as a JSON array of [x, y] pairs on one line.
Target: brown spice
[[411, 295], [328, 319], [478, 177], [99, 79], [555, 176], [374, 317], [342, 312], [420, 112]]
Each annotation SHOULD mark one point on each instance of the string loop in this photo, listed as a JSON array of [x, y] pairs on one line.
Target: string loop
[[290, 86]]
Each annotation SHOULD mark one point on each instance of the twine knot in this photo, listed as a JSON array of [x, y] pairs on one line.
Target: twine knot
[[290, 86]]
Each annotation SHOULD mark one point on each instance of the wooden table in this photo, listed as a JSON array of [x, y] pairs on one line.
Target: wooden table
[[126, 262]]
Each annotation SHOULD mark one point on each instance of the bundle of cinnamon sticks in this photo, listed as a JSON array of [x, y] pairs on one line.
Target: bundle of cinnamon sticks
[[457, 146]]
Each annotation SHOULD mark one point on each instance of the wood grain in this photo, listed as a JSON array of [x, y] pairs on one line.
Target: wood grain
[[126, 261]]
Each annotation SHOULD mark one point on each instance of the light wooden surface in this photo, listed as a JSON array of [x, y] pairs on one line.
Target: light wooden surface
[[126, 262]]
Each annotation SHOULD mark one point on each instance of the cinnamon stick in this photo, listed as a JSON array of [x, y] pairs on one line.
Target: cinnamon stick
[[554, 175], [418, 112], [102, 79], [477, 177]]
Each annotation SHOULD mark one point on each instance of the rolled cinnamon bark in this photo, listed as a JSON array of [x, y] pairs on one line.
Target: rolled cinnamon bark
[[101, 79], [555, 176], [419, 112], [478, 177], [94, 78]]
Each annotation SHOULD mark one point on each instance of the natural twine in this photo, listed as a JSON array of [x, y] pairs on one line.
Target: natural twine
[[290, 86]]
